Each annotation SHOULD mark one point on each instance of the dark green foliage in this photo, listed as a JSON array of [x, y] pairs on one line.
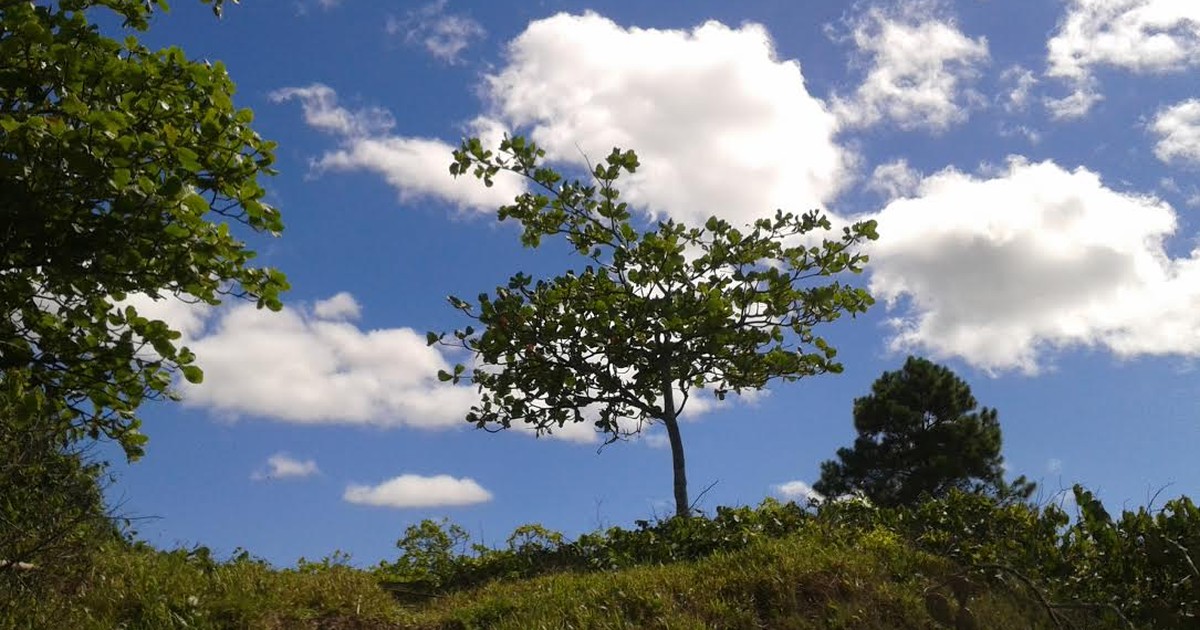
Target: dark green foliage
[[52, 516], [920, 435], [123, 171], [654, 315]]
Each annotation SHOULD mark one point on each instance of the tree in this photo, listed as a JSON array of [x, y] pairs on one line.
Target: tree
[[920, 434], [123, 171], [653, 316]]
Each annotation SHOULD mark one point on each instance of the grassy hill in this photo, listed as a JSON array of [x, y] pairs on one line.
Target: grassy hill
[[777, 566]]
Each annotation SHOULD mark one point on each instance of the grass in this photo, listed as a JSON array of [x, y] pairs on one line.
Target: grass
[[812, 579]]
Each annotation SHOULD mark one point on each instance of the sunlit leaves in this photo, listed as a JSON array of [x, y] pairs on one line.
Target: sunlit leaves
[[124, 169]]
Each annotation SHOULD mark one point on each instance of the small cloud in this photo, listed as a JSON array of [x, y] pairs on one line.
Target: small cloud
[[1054, 466], [322, 112], [415, 491], [342, 306], [443, 35], [796, 490], [894, 179], [919, 64], [1020, 81], [1076, 104], [282, 466], [1178, 131]]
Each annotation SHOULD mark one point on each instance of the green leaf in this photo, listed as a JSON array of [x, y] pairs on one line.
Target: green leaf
[[192, 374]]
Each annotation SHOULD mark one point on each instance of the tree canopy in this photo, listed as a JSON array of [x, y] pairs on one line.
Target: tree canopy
[[920, 434], [654, 315], [125, 171]]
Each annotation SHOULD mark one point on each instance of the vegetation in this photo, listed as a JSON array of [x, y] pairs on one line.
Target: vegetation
[[921, 434], [123, 169], [962, 561], [52, 515], [654, 315]]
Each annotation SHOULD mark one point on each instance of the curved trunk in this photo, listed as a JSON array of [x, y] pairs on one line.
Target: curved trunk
[[671, 421]]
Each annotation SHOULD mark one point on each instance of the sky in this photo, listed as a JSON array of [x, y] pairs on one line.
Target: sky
[[1032, 166]]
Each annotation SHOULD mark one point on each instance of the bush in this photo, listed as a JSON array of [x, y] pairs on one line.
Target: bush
[[52, 516]]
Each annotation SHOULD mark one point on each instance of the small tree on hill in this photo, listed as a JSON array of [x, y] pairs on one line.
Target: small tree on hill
[[653, 315], [920, 434]]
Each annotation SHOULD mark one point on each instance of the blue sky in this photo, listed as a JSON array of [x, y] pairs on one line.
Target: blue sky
[[1032, 167]]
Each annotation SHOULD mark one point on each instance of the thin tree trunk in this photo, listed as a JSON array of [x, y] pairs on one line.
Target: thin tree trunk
[[682, 507]]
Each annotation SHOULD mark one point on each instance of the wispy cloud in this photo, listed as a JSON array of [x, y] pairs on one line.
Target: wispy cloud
[[443, 35], [416, 167], [919, 65], [1139, 36]]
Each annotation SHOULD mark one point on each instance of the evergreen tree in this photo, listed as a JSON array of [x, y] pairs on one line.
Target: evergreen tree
[[920, 434]]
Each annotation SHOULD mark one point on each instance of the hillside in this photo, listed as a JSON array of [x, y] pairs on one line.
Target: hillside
[[846, 566]]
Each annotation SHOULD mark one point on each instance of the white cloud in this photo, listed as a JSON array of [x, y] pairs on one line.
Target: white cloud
[[282, 466], [415, 491], [314, 366], [1021, 82], [997, 270], [322, 112], [1054, 465], [416, 167], [340, 306], [445, 36], [187, 316], [797, 490], [894, 179], [299, 366], [919, 63], [1178, 131], [1076, 104], [1140, 36], [721, 125]]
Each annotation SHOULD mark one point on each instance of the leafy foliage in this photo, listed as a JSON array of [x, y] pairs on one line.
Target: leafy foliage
[[1143, 564], [124, 169], [52, 515], [654, 314], [920, 434]]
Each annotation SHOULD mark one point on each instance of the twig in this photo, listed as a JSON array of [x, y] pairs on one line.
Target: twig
[[703, 492]]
